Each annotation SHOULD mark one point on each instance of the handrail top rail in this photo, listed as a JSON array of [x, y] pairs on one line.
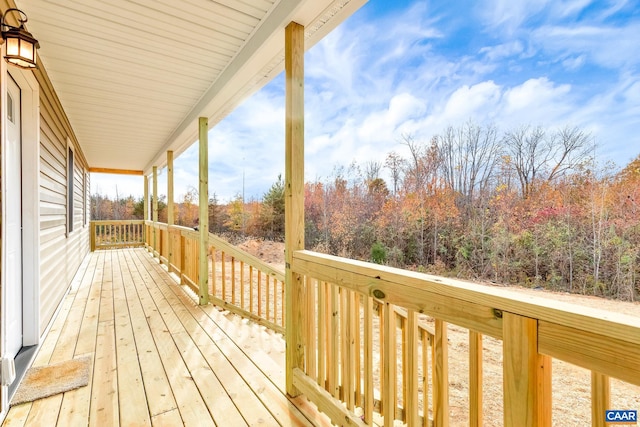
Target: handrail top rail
[[622, 326], [219, 243], [117, 221]]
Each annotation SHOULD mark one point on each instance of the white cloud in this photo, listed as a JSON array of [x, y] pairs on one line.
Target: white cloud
[[383, 124], [468, 100], [574, 62], [508, 15], [609, 47], [534, 95], [501, 51]]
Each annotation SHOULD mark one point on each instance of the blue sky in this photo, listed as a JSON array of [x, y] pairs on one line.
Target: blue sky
[[415, 67]]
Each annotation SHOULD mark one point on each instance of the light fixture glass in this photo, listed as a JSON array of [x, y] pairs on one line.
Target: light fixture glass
[[21, 45]]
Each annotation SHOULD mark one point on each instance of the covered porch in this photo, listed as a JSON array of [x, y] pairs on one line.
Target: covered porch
[[159, 358], [357, 342]]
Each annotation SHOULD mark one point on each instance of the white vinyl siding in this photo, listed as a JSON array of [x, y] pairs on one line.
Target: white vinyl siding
[[60, 256]]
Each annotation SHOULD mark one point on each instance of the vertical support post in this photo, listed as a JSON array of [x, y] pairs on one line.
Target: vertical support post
[[155, 210], [203, 207], [170, 213], [145, 209], [600, 398], [524, 374], [294, 198]]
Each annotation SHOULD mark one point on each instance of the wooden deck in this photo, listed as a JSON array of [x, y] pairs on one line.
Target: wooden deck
[[159, 358]]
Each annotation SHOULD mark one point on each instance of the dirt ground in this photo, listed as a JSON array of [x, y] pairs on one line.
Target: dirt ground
[[571, 384]]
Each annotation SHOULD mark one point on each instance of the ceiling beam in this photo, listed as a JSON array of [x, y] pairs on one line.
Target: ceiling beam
[[116, 171]]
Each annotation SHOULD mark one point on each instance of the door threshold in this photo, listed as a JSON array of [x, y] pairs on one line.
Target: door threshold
[[23, 361]]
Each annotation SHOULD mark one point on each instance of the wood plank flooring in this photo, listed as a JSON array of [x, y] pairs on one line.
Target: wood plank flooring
[[158, 358]]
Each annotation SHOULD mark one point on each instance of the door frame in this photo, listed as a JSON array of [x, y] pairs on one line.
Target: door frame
[[30, 136]]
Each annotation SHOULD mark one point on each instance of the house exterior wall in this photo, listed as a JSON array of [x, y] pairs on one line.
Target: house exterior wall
[[51, 254], [61, 251]]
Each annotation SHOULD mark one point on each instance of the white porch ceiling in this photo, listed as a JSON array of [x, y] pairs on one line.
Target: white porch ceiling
[[134, 75]]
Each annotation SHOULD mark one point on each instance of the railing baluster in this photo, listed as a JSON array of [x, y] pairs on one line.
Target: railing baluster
[[275, 300], [322, 334], [342, 311], [383, 353], [259, 294], [282, 304], [268, 296], [251, 289], [600, 398], [475, 379], [242, 284], [404, 356], [334, 386], [440, 376], [348, 352], [311, 338], [411, 402], [368, 360], [183, 256], [214, 272], [223, 265], [355, 325], [427, 340], [233, 280], [389, 370]]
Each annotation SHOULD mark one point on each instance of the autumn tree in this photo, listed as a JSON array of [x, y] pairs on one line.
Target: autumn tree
[[271, 213], [469, 156], [217, 215], [186, 212], [537, 155], [236, 216]]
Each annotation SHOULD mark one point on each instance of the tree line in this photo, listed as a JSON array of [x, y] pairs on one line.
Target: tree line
[[528, 206]]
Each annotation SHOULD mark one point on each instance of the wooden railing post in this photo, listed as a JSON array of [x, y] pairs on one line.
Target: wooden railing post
[[294, 198], [526, 374]]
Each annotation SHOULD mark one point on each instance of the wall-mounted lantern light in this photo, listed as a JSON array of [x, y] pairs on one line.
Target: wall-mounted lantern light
[[21, 45]]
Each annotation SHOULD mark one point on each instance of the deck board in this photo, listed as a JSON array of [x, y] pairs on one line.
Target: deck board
[[231, 361], [158, 357]]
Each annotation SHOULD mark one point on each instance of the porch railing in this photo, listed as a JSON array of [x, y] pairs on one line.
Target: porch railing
[[385, 362], [116, 234], [238, 281], [375, 339]]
